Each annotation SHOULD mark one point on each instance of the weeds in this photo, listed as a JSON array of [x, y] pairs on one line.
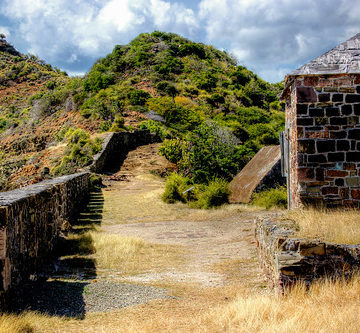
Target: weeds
[[275, 197]]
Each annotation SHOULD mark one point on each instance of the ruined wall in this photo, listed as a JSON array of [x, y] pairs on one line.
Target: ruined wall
[[117, 145], [325, 140], [286, 259], [30, 221]]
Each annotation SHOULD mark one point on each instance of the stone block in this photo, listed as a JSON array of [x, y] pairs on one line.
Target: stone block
[[342, 145], [312, 249], [307, 121], [337, 98], [306, 146], [306, 95], [337, 173], [353, 156], [329, 190], [324, 146], [354, 133], [316, 112], [320, 174], [336, 157], [347, 89], [311, 81], [324, 97], [305, 174], [338, 121], [352, 98], [349, 166], [344, 191], [356, 109], [332, 111], [317, 158], [338, 134], [346, 109], [352, 181], [302, 109]]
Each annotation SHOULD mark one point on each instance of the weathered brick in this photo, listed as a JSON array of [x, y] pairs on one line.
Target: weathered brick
[[311, 81], [337, 173], [354, 133], [330, 89], [306, 95], [346, 109], [305, 173], [320, 174], [342, 145], [349, 166], [347, 89], [306, 146], [338, 121], [352, 98], [321, 121], [316, 112], [299, 132], [337, 97], [352, 144], [317, 158], [332, 112], [324, 146], [339, 182], [324, 97], [351, 204], [305, 121], [343, 191], [330, 190], [357, 109], [352, 181], [355, 194], [353, 120], [336, 157], [302, 109]]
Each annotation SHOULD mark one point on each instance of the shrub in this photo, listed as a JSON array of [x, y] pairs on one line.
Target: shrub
[[174, 188], [154, 127], [138, 97], [275, 197], [215, 194]]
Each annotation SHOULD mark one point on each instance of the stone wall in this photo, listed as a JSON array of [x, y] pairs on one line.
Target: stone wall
[[322, 120], [286, 259], [30, 221], [117, 145]]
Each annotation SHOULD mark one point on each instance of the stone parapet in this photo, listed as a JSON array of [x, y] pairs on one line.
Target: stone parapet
[[116, 145], [31, 219], [286, 259]]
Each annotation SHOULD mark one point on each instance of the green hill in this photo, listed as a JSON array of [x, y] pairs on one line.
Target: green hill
[[214, 114]]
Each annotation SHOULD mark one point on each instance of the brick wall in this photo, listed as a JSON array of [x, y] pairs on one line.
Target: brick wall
[[30, 221], [322, 117]]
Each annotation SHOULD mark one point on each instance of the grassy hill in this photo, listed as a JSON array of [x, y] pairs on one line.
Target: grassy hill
[[214, 115]]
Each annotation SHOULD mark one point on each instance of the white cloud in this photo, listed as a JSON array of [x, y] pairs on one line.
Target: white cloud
[[269, 33], [5, 31]]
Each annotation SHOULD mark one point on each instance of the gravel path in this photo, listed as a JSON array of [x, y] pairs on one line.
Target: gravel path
[[74, 299]]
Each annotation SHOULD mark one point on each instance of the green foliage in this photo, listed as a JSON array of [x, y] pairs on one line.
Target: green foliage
[[154, 127], [97, 79], [174, 188], [138, 97], [105, 126], [275, 197], [173, 150], [79, 151], [216, 193], [118, 124]]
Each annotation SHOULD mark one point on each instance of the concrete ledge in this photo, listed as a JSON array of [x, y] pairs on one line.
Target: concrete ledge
[[286, 259], [31, 219]]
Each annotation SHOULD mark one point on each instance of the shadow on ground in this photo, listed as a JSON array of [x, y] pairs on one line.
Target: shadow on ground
[[59, 289]]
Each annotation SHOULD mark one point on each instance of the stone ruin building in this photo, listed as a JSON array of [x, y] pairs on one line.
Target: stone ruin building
[[321, 142]]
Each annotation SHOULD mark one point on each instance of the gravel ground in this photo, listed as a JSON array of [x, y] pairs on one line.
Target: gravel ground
[[75, 299]]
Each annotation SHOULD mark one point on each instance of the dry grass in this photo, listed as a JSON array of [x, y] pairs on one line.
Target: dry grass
[[131, 254], [342, 227], [326, 307]]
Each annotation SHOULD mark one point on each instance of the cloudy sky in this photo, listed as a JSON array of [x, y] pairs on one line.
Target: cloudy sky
[[270, 37]]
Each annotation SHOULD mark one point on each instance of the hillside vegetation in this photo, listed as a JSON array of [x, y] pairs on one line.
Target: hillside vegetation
[[213, 114]]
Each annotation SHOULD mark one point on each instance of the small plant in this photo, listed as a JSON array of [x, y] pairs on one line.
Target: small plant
[[174, 188], [215, 194], [275, 197]]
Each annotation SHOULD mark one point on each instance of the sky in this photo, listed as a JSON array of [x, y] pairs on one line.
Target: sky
[[270, 37]]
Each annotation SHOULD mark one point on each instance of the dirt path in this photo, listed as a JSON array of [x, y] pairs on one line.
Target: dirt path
[[188, 260]]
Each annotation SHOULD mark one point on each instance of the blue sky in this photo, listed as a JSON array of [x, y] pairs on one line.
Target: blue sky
[[270, 37]]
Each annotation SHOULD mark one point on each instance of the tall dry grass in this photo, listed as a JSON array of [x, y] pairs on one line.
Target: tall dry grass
[[338, 226], [327, 307]]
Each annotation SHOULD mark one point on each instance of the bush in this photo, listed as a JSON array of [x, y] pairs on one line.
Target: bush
[[174, 188], [275, 197], [213, 195]]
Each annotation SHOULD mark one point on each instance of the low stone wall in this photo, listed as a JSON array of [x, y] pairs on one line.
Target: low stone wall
[[116, 145], [31, 219], [286, 259]]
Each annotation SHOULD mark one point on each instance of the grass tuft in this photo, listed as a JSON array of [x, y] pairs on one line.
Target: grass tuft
[[275, 197], [338, 226]]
